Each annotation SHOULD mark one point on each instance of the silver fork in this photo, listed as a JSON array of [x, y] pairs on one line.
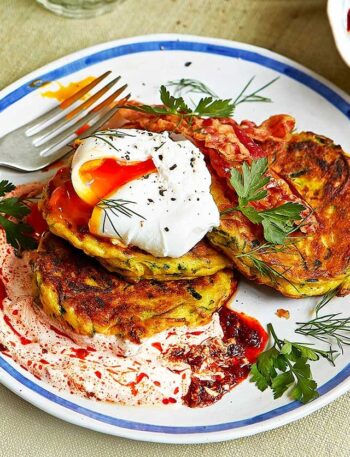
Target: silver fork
[[46, 139]]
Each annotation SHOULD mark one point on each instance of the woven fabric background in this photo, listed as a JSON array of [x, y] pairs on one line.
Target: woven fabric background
[[31, 37]]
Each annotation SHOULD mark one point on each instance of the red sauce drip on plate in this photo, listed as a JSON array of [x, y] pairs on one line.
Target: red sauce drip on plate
[[80, 353], [348, 21], [22, 339], [59, 333], [3, 293], [158, 346], [140, 377], [244, 339], [166, 401], [98, 374]]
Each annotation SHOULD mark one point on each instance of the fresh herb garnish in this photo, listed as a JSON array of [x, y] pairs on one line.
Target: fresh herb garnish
[[5, 187], [264, 269], [326, 299], [254, 96], [328, 328], [17, 232], [206, 107], [278, 223], [209, 106], [186, 85], [284, 366], [117, 207]]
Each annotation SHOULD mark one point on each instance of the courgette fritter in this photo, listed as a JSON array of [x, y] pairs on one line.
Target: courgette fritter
[[129, 261], [309, 264], [74, 288]]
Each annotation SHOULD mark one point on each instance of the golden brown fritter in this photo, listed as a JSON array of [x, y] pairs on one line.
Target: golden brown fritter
[[315, 263], [75, 288], [134, 264]]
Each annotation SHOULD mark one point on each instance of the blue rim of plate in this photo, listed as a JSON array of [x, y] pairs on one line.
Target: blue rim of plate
[[175, 45]]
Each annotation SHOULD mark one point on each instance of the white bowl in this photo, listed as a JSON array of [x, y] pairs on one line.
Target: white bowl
[[337, 14]]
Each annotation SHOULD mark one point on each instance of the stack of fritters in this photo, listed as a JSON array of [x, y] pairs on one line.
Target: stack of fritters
[[141, 294], [107, 287], [129, 261], [76, 288]]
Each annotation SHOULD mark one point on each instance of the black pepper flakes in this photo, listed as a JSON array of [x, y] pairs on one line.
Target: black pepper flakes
[[166, 229], [173, 167]]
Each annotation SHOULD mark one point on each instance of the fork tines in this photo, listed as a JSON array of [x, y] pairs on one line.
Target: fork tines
[[57, 126]]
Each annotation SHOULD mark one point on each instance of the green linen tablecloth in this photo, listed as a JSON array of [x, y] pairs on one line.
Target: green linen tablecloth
[[31, 37]]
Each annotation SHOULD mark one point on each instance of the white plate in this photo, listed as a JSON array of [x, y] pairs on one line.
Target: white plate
[[337, 13], [146, 62]]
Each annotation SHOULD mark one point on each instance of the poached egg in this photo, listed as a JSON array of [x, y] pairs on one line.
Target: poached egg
[[147, 190]]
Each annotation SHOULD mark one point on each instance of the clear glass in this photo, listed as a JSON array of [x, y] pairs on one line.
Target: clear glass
[[78, 8]]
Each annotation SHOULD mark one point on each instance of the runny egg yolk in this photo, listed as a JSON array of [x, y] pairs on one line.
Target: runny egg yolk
[[103, 176]]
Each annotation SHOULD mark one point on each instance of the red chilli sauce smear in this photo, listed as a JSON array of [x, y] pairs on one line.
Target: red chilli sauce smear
[[3, 295], [36, 221], [348, 21], [24, 341], [244, 339]]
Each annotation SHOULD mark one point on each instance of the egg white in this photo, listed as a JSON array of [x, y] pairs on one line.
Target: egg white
[[171, 209]]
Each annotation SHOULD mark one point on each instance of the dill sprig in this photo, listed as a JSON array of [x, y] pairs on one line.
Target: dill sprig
[[254, 96], [117, 207], [328, 328], [263, 268], [186, 85], [326, 299]]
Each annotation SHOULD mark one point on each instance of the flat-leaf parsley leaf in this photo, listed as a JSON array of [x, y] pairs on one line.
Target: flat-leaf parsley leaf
[[17, 232], [285, 366], [249, 184], [206, 107]]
